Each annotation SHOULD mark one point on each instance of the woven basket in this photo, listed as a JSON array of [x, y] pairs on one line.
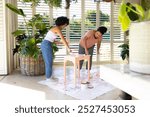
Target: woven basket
[[32, 67]]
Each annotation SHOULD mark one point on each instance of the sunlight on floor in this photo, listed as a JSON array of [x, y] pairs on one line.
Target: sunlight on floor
[[15, 92]]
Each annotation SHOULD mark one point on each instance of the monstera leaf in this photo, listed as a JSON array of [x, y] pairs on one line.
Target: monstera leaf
[[15, 9], [123, 17], [132, 15], [129, 12]]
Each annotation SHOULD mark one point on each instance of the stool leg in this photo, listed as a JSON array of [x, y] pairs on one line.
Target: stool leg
[[78, 68], [89, 68], [79, 81], [65, 72], [75, 67]]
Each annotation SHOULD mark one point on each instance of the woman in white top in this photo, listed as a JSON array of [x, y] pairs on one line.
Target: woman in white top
[[46, 45]]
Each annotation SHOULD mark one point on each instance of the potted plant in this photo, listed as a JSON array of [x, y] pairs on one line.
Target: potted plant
[[28, 40], [139, 37], [124, 51]]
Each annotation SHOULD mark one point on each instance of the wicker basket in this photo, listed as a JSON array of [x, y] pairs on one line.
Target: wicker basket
[[32, 67]]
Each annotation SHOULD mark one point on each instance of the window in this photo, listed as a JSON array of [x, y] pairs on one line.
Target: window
[[84, 15], [117, 34], [27, 10]]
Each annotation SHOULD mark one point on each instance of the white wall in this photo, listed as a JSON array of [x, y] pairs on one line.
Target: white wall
[[3, 52], [11, 22], [7, 26]]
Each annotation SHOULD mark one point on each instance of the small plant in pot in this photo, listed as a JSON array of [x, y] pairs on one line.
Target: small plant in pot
[[28, 40], [135, 18], [124, 51]]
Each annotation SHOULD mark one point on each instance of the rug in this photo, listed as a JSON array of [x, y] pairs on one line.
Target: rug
[[80, 91]]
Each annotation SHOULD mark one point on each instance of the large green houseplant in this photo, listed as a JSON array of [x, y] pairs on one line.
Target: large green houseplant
[[130, 12], [28, 40], [136, 19]]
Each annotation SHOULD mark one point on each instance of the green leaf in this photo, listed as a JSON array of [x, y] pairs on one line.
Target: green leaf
[[131, 12], [40, 26], [147, 15], [15, 9], [31, 42], [34, 2], [122, 10], [18, 32], [55, 3], [125, 22], [124, 46], [123, 56], [38, 41], [124, 51], [123, 17], [140, 10]]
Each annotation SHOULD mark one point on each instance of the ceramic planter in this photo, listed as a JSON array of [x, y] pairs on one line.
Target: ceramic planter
[[139, 43]]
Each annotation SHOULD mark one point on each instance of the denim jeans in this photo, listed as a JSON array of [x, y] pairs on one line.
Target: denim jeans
[[47, 52]]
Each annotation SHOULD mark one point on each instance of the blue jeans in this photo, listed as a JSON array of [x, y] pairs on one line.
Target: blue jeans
[[47, 52]]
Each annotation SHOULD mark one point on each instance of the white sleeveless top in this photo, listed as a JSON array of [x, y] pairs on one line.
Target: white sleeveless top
[[50, 36]]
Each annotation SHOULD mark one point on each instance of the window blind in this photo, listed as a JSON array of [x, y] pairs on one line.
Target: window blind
[[57, 12], [118, 35], [90, 19], [27, 10], [75, 21]]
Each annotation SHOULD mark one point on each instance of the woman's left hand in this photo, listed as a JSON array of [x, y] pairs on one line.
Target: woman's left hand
[[58, 42]]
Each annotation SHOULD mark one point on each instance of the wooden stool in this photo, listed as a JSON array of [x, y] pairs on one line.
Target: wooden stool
[[75, 59]]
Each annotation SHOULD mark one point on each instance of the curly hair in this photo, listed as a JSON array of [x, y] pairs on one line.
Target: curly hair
[[102, 29], [61, 21]]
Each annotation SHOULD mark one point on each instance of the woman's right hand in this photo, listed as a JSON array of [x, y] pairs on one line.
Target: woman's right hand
[[69, 50]]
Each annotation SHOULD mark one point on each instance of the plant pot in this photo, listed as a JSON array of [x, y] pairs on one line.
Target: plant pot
[[32, 67], [139, 41]]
